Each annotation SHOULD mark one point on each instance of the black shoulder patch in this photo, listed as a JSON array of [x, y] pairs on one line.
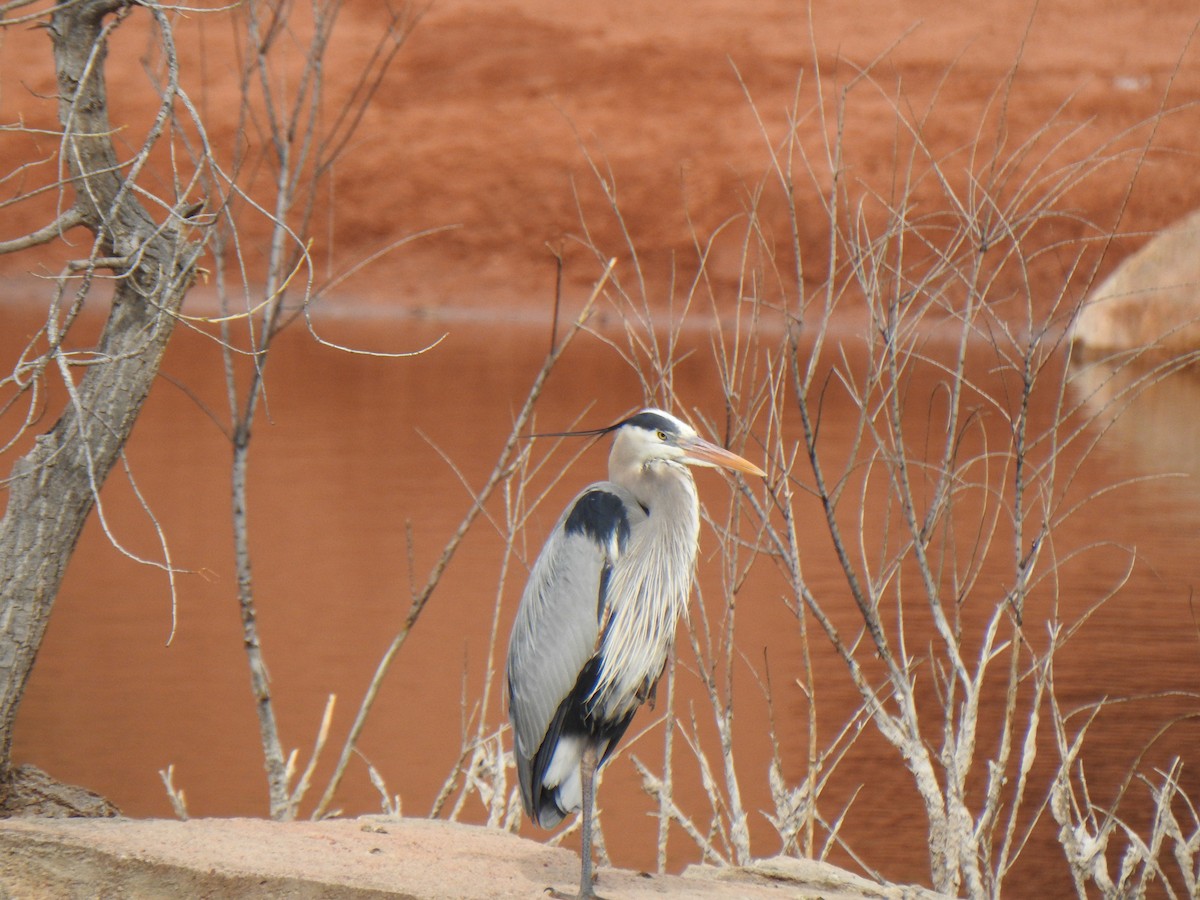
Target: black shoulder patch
[[599, 515]]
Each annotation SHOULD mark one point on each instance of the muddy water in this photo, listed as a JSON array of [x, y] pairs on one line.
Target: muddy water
[[352, 500]]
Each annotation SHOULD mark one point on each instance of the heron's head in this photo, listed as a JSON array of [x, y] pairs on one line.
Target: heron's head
[[656, 435]]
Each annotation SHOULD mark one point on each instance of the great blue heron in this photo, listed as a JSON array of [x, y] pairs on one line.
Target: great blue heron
[[598, 615]]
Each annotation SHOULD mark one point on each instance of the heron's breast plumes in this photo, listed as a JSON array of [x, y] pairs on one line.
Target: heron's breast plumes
[[647, 594]]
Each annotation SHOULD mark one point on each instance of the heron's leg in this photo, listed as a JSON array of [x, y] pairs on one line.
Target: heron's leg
[[587, 774]]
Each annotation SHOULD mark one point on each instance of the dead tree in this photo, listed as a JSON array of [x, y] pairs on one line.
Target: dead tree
[[149, 262]]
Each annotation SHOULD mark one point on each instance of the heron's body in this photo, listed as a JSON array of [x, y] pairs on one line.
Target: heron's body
[[598, 615]]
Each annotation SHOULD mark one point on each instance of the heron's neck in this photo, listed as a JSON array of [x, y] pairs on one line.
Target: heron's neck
[[667, 492]]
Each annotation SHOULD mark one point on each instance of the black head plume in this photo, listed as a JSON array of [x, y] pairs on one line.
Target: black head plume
[[650, 419]]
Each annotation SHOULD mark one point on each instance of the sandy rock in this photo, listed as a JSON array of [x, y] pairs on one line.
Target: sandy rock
[[818, 878], [1151, 300], [352, 858]]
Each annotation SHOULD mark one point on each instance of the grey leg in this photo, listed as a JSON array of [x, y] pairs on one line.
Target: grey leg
[[587, 773], [587, 777]]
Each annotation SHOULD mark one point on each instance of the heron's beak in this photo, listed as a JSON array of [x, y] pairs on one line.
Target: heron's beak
[[703, 453]]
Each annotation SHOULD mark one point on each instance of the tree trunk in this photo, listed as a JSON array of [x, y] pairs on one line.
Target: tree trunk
[[53, 488]]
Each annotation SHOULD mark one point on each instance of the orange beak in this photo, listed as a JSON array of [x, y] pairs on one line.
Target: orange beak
[[701, 452]]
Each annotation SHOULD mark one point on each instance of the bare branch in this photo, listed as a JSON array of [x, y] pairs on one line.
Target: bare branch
[[68, 219]]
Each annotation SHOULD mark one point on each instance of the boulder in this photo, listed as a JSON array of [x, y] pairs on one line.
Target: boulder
[[1151, 300]]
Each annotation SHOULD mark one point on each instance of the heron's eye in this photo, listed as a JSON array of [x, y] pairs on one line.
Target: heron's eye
[[661, 435]]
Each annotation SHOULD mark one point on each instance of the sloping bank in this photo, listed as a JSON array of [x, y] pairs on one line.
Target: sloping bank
[[362, 858]]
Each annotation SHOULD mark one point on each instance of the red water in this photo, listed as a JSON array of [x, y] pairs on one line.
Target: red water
[[352, 452]]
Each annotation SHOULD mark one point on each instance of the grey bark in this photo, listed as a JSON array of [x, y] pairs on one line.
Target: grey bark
[[53, 488]]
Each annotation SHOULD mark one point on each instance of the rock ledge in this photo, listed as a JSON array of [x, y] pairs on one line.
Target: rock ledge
[[363, 858]]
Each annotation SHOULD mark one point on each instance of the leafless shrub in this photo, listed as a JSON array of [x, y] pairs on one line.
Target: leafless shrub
[[268, 183], [923, 341], [175, 795], [1163, 852]]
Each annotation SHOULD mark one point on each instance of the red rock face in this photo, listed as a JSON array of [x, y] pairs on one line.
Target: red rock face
[[494, 115]]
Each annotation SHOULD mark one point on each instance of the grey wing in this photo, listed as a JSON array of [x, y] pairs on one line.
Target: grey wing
[[558, 623]]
